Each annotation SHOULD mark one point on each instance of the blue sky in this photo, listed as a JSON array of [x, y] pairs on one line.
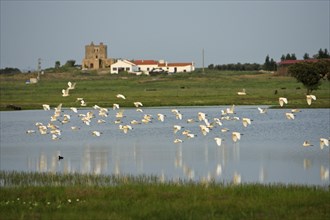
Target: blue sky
[[176, 31]]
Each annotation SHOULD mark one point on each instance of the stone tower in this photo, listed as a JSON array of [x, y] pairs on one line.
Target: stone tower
[[96, 57]]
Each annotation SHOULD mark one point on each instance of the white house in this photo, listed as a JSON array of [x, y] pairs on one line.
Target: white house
[[123, 65], [177, 67], [146, 65], [150, 65]]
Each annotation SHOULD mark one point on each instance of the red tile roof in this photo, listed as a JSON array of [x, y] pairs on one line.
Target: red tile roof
[[145, 62], [289, 62]]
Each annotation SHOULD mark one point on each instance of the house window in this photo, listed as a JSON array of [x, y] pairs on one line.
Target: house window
[[114, 69], [148, 69], [127, 68]]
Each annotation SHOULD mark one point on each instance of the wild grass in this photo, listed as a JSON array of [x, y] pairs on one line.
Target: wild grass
[[83, 196], [181, 89]]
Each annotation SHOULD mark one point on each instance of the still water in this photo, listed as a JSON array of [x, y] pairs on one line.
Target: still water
[[270, 149]]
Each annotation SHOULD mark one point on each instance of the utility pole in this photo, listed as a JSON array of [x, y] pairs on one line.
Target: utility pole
[[203, 60], [39, 68]]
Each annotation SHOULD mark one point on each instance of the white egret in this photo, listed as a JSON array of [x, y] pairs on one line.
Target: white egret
[[324, 142], [262, 110], [100, 121], [161, 117], [282, 101], [309, 99], [241, 92], [75, 110], [30, 131], [125, 128], [236, 178], [55, 137], [177, 128], [115, 106], [307, 144], [83, 103], [223, 130], [96, 133], [218, 141], [295, 110], [65, 92], [120, 96], [204, 129], [236, 136], [246, 121], [177, 140], [138, 104], [46, 107], [201, 116], [289, 115], [71, 85]]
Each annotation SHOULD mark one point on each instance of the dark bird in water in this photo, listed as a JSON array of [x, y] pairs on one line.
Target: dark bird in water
[[60, 157]]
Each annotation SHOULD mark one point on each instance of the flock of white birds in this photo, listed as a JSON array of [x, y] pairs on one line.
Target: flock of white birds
[[206, 125]]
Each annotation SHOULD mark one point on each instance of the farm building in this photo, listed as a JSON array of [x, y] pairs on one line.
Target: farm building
[[123, 65], [283, 66], [147, 66]]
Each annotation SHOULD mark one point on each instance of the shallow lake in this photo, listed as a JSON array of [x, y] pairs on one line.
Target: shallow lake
[[269, 151]]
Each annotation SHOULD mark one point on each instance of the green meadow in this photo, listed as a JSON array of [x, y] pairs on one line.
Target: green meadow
[[181, 89], [83, 196]]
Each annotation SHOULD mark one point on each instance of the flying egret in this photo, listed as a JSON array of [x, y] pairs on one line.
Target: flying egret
[[246, 121], [262, 110], [138, 104], [55, 137], [295, 110], [125, 128], [71, 85], [218, 140], [236, 136], [204, 129], [177, 140], [83, 103], [201, 116], [307, 144], [75, 110], [242, 92], [115, 106], [96, 133], [65, 92], [30, 131], [282, 101], [177, 128], [324, 142], [46, 107], [120, 96], [309, 99], [223, 130], [161, 117], [289, 115]]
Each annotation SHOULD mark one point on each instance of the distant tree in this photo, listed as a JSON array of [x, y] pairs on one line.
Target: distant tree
[[322, 54], [293, 56], [9, 70], [310, 74], [306, 56], [70, 63], [211, 66], [57, 64], [283, 57], [269, 65]]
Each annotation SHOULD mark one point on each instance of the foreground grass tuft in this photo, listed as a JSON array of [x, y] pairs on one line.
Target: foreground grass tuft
[[83, 196]]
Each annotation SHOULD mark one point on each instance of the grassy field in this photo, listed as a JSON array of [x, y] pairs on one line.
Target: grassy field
[[182, 89], [77, 196]]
